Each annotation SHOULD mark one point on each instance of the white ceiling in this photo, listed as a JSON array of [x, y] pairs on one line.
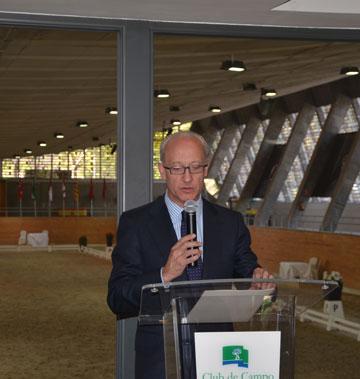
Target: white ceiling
[[321, 6], [50, 79], [300, 13]]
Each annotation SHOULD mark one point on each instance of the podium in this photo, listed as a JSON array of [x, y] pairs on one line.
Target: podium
[[229, 329]]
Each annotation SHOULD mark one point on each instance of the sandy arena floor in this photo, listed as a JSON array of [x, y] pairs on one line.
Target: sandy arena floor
[[54, 323]]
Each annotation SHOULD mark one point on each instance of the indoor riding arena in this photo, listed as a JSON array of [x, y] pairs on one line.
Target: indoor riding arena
[[88, 95]]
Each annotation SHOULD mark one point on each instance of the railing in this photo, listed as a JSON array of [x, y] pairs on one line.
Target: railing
[[346, 224]]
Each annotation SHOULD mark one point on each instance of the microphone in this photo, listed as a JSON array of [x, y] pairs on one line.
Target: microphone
[[190, 208]]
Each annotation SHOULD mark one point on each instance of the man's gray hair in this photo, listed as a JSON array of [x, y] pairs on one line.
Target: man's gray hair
[[187, 134]]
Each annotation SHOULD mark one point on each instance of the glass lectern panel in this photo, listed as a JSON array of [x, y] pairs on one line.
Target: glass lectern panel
[[190, 310], [218, 294]]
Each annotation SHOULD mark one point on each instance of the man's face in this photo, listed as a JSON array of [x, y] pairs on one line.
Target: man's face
[[183, 151]]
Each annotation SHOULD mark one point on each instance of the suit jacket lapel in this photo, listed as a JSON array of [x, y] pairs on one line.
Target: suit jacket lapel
[[212, 240], [161, 227], [164, 235]]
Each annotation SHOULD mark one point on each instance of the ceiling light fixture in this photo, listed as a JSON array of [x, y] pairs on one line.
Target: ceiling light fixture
[[162, 94], [16, 156], [82, 124], [268, 92], [111, 110], [175, 122], [350, 71], [231, 65], [27, 151], [59, 135], [214, 109], [42, 143]]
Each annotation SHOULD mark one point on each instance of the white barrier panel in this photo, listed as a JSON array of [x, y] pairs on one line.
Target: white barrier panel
[[332, 322]]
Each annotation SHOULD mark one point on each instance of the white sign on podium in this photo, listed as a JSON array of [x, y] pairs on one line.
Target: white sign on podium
[[237, 355]]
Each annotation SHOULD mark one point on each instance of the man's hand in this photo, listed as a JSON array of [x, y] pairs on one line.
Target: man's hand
[[260, 273], [184, 252]]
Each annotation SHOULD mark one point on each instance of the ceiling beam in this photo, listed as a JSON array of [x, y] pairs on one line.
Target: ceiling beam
[[277, 181], [246, 141], [349, 172], [277, 120], [319, 157], [228, 122], [207, 128], [350, 169]]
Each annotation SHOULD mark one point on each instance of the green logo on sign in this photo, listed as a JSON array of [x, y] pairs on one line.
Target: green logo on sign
[[235, 355]]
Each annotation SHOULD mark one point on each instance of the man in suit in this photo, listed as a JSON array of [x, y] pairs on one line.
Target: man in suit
[[151, 249]]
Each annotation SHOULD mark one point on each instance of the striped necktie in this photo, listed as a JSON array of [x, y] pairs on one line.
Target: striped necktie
[[193, 272]]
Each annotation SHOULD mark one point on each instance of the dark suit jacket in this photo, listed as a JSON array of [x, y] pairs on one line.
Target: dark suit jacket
[[144, 239]]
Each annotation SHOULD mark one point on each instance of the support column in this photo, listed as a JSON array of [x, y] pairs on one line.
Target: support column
[[292, 149], [302, 155], [207, 128], [349, 172], [272, 133], [134, 158], [319, 157], [245, 143], [84, 163], [321, 115], [356, 106], [230, 124]]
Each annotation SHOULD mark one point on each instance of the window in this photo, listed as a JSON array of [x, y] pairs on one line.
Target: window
[[350, 123], [95, 162]]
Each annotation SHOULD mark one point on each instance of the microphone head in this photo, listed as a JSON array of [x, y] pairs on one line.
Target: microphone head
[[190, 206]]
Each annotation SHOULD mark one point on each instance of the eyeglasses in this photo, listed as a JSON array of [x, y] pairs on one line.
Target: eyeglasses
[[194, 168]]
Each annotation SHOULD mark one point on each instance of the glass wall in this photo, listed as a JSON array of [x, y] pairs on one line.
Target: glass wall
[[95, 162]]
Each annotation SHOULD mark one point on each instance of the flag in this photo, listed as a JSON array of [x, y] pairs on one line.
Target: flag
[[104, 190], [33, 190], [76, 192], [91, 190], [20, 189], [50, 192], [63, 189]]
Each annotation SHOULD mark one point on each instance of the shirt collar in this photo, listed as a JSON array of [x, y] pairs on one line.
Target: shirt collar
[[175, 208]]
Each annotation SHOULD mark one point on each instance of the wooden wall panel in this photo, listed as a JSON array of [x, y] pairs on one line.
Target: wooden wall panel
[[338, 252], [62, 230]]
